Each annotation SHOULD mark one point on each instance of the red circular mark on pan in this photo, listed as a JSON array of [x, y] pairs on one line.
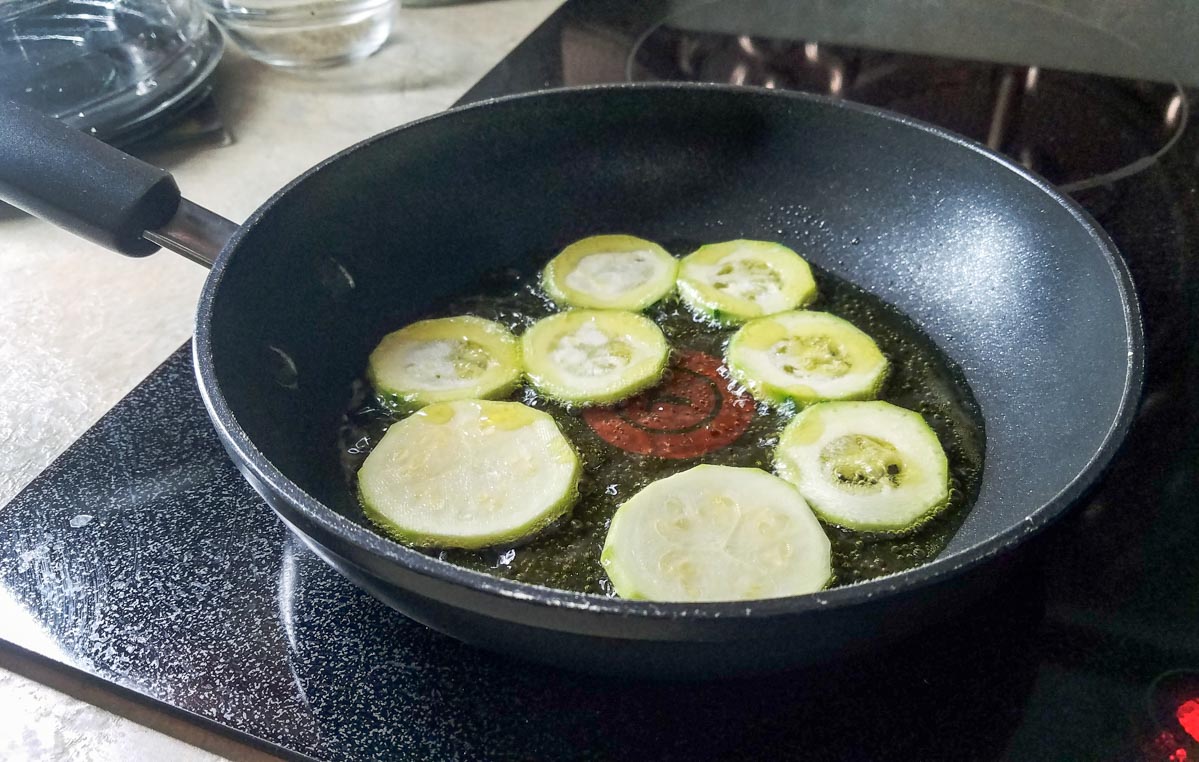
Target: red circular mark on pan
[[690, 413]]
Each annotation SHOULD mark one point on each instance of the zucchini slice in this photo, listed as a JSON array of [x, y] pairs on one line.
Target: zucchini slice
[[716, 533], [445, 359], [735, 281], [868, 466], [594, 356], [610, 272], [805, 357], [469, 474]]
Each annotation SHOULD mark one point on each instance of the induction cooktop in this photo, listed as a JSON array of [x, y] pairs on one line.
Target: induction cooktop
[[141, 561]]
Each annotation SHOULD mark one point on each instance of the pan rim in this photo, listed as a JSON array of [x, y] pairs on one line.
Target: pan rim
[[941, 568]]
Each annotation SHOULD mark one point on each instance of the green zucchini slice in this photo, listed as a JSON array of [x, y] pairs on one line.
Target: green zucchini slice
[[445, 359], [610, 272], [469, 474], [869, 466], [598, 357], [716, 533], [805, 357], [735, 281]]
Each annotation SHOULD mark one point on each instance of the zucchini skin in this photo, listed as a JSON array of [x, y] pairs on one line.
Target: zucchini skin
[[632, 545], [526, 531], [501, 345], [785, 466], [798, 285], [539, 367], [420, 508], [854, 347], [560, 267]]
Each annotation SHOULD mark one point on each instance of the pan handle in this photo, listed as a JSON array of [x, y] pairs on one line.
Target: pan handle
[[83, 185]]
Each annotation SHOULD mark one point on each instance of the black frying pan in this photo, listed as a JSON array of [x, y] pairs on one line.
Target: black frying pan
[[1013, 281]]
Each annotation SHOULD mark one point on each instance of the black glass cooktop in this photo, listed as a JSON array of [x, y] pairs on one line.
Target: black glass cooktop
[[141, 561]]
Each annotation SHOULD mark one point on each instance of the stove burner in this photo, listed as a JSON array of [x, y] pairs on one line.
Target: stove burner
[[1079, 130]]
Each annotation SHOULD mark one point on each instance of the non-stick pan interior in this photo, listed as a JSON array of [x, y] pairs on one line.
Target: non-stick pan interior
[[1004, 277]]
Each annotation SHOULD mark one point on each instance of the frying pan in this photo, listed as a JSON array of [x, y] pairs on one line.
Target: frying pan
[[1015, 283]]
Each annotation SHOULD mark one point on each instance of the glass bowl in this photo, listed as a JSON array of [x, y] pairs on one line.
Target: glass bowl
[[106, 67], [295, 33]]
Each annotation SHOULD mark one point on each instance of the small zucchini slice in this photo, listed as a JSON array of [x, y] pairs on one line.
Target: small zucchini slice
[[869, 466], [735, 281], [610, 272], [469, 474], [445, 359], [716, 533], [805, 357], [594, 357]]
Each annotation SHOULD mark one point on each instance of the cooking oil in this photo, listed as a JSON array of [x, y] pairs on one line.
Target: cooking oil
[[566, 556]]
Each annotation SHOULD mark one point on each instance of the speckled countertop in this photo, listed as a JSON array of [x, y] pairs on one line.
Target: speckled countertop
[[80, 327]]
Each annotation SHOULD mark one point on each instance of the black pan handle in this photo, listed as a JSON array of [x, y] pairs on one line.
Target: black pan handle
[[83, 185]]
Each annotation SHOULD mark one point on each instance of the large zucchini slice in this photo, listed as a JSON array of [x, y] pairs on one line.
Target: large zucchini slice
[[865, 465], [610, 272], [587, 357], [469, 474], [804, 357], [716, 533], [735, 281], [444, 359]]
